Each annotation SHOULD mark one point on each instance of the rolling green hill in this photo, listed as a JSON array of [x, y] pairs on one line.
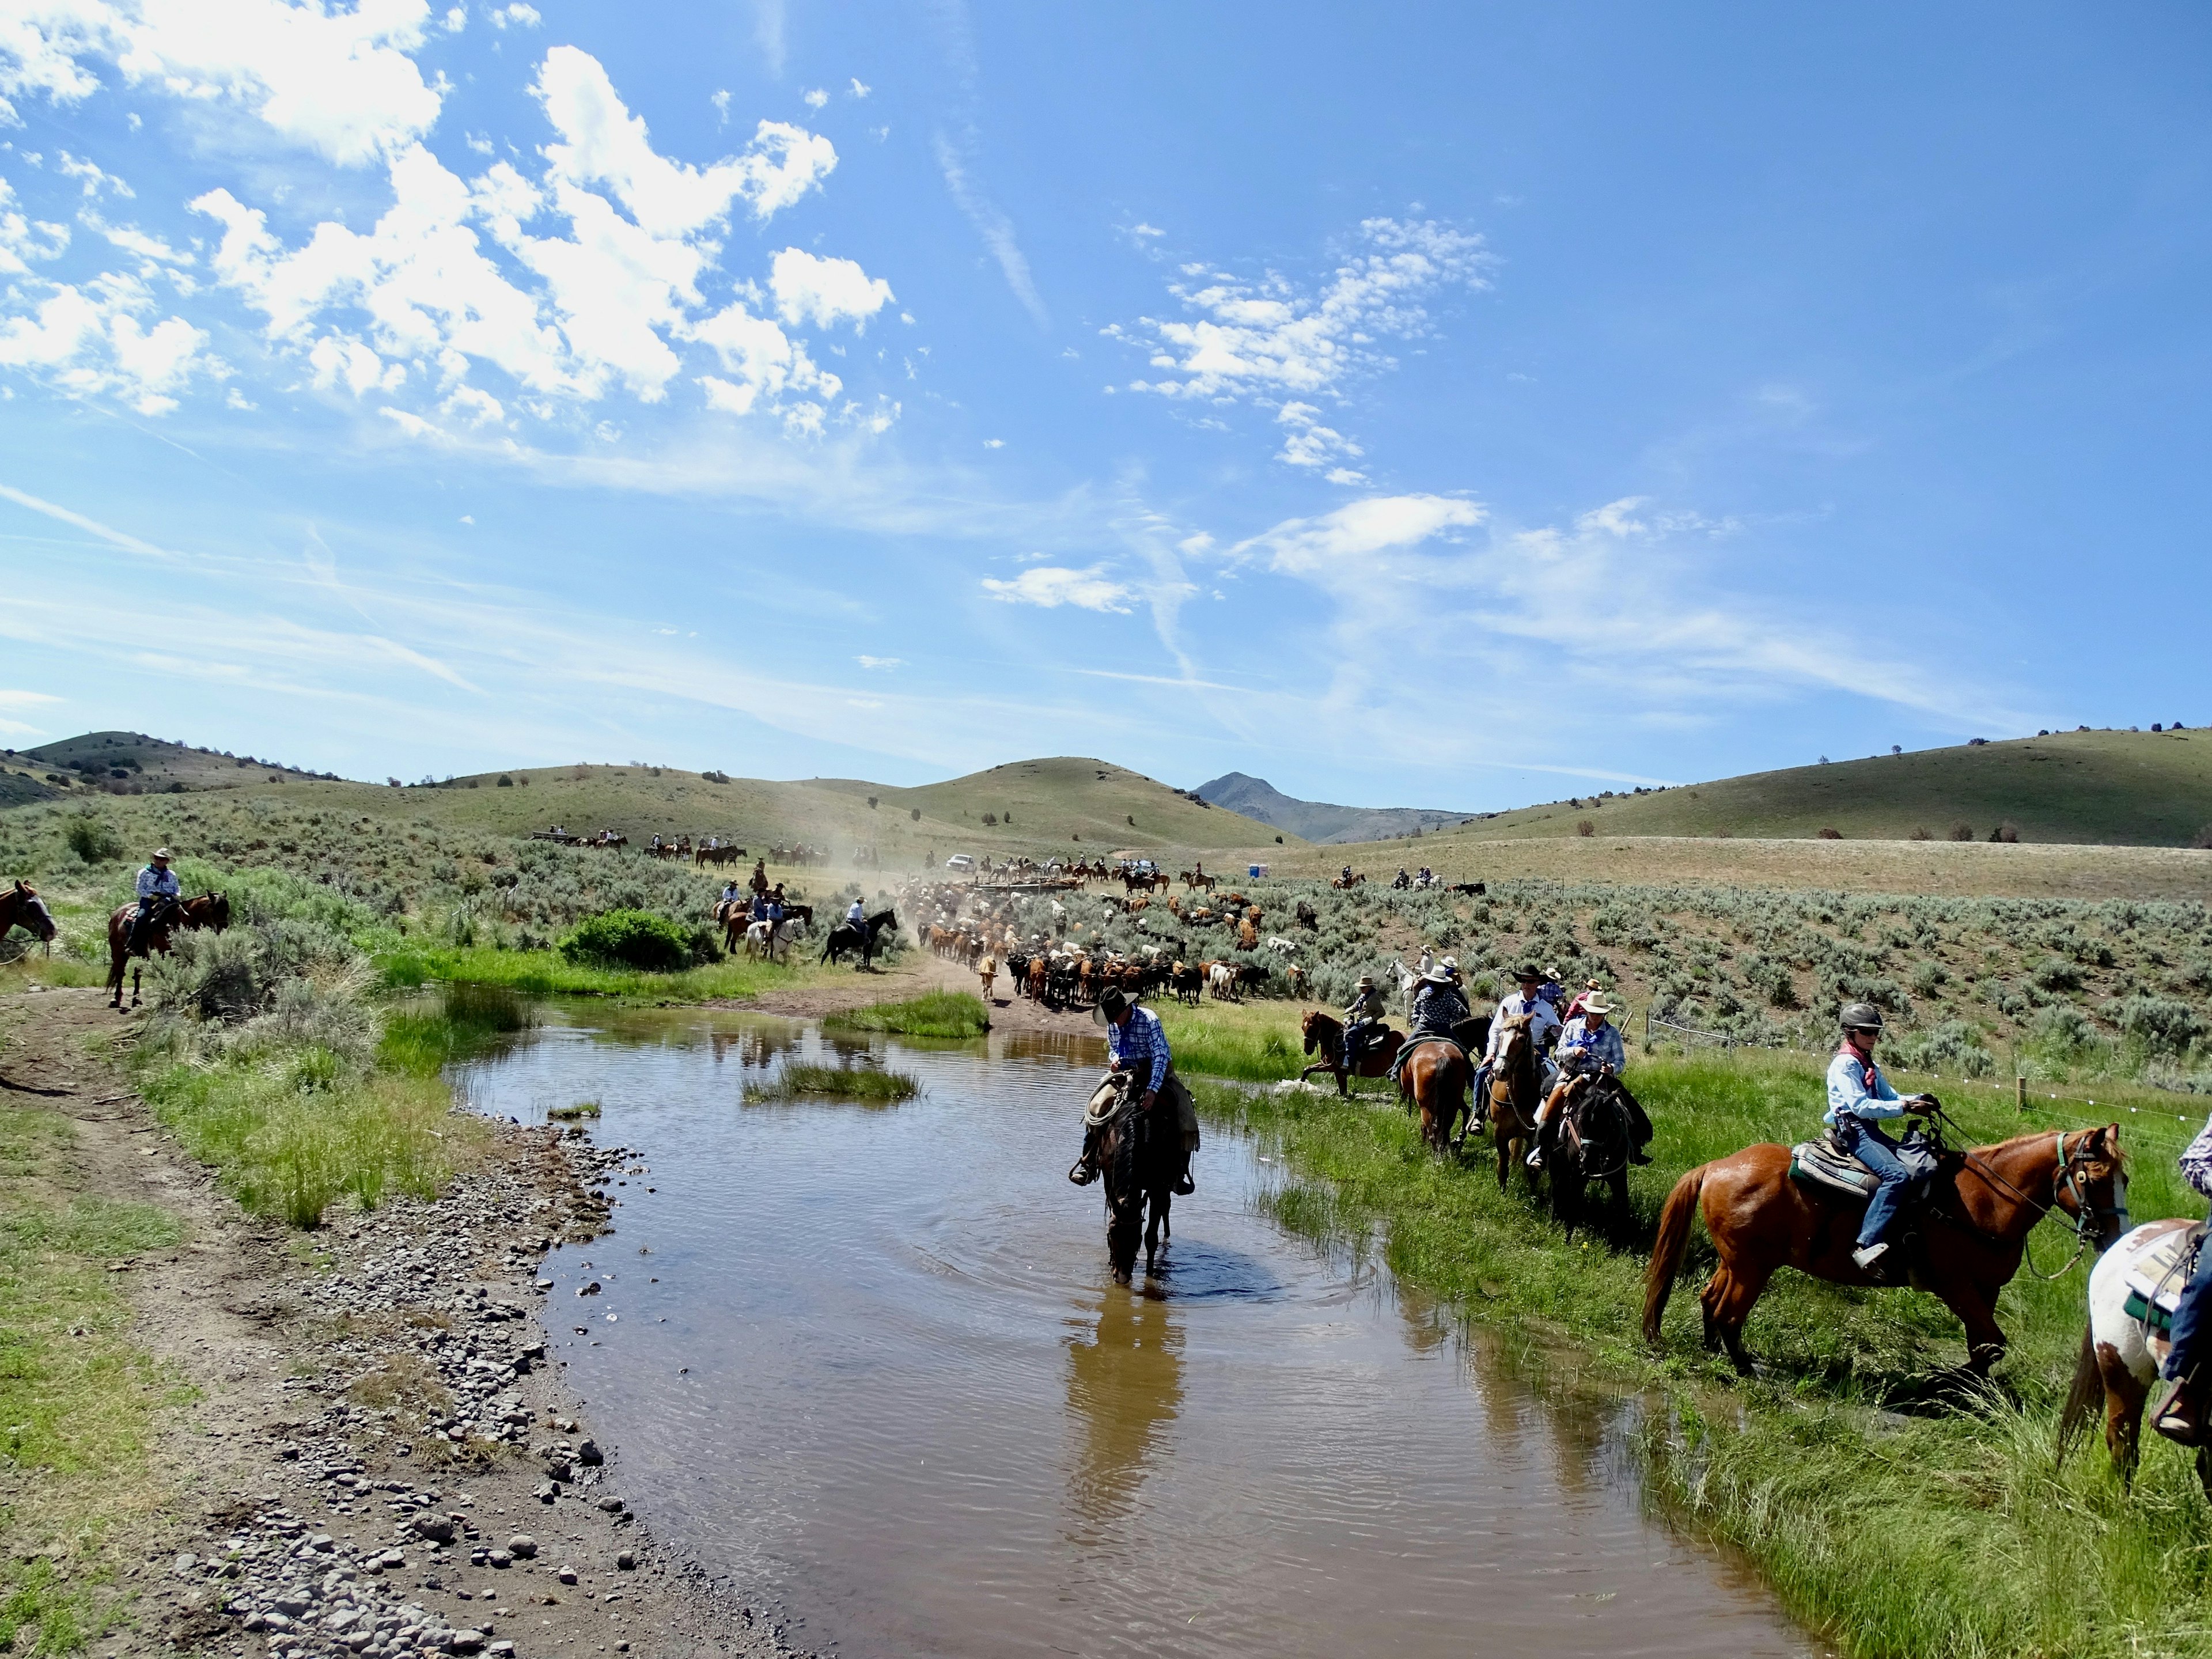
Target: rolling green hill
[[2119, 788], [133, 763]]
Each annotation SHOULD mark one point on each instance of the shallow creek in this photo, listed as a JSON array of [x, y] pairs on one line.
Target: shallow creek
[[873, 1369]]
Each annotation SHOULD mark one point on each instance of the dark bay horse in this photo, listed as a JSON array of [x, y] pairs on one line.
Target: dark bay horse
[[209, 910], [845, 936], [1973, 1229], [1434, 1082], [1141, 1155], [1515, 1091], [1324, 1034], [1592, 1143], [22, 906]]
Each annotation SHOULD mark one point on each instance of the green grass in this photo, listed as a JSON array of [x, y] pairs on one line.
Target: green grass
[[467, 1019], [2129, 788], [1901, 1521], [797, 1080], [77, 1400], [932, 1014], [1253, 1042], [289, 1143], [544, 972]]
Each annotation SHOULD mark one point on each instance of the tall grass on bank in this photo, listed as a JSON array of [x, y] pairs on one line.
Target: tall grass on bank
[[465, 1021], [547, 973], [266, 1057], [1253, 1045], [933, 1014], [1903, 1518], [77, 1400]]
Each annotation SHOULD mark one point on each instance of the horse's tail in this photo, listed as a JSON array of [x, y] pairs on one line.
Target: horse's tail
[[2085, 1396], [1674, 1222]]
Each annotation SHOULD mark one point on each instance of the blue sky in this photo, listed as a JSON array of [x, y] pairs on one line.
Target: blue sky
[[1457, 405]]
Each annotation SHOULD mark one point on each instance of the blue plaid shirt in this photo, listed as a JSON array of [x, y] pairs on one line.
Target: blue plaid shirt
[[1138, 1040], [1585, 1048]]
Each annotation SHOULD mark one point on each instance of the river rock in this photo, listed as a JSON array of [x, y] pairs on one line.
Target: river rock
[[626, 1560], [436, 1527], [566, 1575], [522, 1547], [589, 1455], [612, 1505], [467, 1641]]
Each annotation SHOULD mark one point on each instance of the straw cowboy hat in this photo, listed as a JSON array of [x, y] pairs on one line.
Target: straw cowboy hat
[[1596, 1004]]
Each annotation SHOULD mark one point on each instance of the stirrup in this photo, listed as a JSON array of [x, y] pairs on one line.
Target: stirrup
[[1081, 1173], [2174, 1417], [1868, 1256], [1185, 1185], [1535, 1159]]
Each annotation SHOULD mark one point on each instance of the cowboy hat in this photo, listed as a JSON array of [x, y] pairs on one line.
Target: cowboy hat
[[162, 854], [1112, 1005], [1366, 982], [1596, 1004], [1528, 970]]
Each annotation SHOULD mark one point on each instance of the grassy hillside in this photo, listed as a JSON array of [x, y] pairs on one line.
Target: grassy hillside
[[131, 762], [2122, 788], [1051, 801]]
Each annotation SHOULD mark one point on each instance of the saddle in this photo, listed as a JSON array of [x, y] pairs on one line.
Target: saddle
[[1421, 1040], [2157, 1278], [1823, 1163]]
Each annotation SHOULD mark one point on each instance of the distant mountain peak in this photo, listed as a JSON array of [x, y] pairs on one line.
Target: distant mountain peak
[[1320, 821]]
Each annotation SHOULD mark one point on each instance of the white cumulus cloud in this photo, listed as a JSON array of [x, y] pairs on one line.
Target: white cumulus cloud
[[1052, 586], [824, 292]]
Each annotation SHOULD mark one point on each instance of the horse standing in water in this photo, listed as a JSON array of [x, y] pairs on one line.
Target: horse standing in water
[[1967, 1238], [1141, 1155], [209, 910], [1325, 1033], [1515, 1090], [22, 906]]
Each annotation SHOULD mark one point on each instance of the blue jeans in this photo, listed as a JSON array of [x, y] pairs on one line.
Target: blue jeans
[[1879, 1153], [2189, 1319]]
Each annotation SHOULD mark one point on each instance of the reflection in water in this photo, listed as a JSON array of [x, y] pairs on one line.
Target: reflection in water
[[1124, 1385], [878, 1377]]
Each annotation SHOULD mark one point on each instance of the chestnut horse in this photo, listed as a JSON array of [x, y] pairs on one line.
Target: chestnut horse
[[1434, 1081], [1515, 1090], [20, 906], [209, 910], [1971, 1231], [1141, 1155], [1324, 1034]]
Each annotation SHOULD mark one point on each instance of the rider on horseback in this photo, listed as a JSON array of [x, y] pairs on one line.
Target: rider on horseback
[[1543, 1026], [2179, 1415], [1859, 1097], [1439, 1006], [1363, 1017], [1590, 1046], [158, 889], [856, 918], [1136, 1044]]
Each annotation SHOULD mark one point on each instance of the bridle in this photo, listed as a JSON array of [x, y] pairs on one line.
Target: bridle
[[2067, 1181]]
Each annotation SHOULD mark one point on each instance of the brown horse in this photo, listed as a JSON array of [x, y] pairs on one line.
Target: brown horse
[[20, 906], [1514, 1092], [209, 910], [1324, 1034], [1971, 1230], [1433, 1081], [1141, 1155]]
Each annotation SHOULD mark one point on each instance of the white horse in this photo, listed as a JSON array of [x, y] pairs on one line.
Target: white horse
[[1408, 979], [759, 943], [2120, 1358]]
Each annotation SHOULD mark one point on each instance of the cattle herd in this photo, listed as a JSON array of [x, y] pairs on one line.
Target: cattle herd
[[971, 927]]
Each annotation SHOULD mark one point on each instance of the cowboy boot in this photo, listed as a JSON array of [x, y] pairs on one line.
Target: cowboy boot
[[1184, 1186], [2180, 1416], [1084, 1170]]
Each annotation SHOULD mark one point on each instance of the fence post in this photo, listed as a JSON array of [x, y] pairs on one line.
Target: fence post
[[2020, 1091]]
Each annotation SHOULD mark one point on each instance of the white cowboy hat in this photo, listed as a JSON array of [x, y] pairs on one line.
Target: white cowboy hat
[[1596, 1005], [162, 854]]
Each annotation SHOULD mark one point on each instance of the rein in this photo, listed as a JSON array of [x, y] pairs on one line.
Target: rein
[[2067, 1178]]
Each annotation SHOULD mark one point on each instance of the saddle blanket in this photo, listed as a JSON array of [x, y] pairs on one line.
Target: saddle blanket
[[1817, 1162], [1412, 1042], [2157, 1278]]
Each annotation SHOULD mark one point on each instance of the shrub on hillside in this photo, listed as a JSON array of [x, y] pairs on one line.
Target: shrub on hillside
[[2163, 1025], [93, 839], [632, 938], [1962, 831], [1831, 835]]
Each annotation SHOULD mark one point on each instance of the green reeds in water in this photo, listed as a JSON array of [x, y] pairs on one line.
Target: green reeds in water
[[799, 1080], [935, 1014], [466, 1021], [576, 1114]]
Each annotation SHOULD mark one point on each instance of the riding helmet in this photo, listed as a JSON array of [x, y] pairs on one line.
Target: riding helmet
[[1859, 1017]]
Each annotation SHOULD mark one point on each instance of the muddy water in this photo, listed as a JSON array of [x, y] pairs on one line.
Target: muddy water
[[873, 1369]]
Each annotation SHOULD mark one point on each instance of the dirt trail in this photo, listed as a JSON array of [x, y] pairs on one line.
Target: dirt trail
[[312, 1507]]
